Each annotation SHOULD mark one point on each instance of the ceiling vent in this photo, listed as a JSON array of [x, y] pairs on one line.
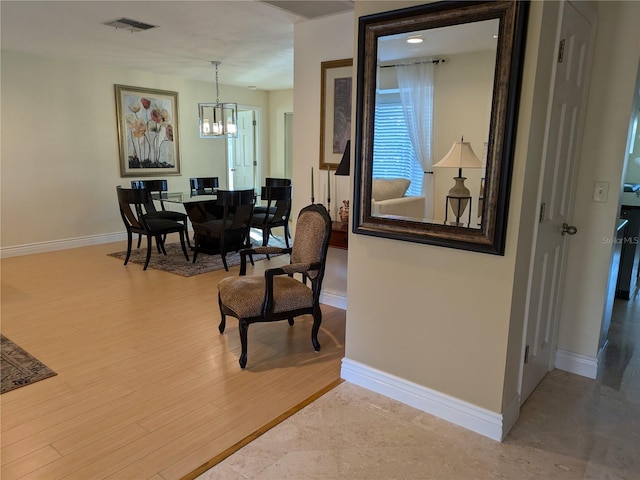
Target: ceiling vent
[[128, 24]]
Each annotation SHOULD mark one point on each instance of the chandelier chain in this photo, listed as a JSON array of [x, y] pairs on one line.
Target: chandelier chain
[[217, 91]]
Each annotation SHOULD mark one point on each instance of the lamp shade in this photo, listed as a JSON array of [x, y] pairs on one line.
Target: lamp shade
[[460, 156], [345, 164]]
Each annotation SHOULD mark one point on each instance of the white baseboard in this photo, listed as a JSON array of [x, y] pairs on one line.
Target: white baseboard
[[334, 299], [583, 365], [52, 246], [490, 424]]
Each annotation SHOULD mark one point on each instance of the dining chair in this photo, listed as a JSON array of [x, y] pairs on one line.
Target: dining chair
[[203, 185], [272, 182], [132, 204], [275, 214], [279, 294], [231, 231], [160, 186]]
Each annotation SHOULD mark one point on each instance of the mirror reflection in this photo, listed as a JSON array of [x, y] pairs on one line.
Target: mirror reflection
[[434, 93]]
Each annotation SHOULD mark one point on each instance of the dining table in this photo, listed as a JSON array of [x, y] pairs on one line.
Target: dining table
[[200, 207]]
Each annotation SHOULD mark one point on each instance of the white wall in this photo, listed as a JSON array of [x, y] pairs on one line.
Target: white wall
[[317, 41], [60, 161], [280, 102], [609, 110]]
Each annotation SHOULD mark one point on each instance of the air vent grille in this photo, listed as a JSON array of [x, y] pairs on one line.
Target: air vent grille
[[128, 24]]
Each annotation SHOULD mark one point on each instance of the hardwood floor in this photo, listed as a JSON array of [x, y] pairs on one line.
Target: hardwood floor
[[146, 386]]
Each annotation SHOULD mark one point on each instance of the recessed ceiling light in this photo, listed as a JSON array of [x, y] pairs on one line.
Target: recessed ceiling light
[[252, 87], [415, 39]]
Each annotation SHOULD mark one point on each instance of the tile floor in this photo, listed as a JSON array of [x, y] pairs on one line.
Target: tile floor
[[570, 428]]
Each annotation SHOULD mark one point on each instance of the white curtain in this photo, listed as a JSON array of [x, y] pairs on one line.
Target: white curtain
[[416, 94]]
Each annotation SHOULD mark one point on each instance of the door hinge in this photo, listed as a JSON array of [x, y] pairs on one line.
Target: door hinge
[[255, 123], [526, 354], [255, 163], [542, 211], [561, 51]]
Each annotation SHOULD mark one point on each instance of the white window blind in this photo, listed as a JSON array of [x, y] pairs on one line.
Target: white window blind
[[392, 150]]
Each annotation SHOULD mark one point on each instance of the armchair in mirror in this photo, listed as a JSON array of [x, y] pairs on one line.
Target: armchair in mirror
[[438, 91]]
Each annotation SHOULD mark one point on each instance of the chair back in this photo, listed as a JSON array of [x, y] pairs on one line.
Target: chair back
[[203, 185], [280, 198], [237, 207], [151, 185], [131, 203], [311, 240], [154, 186], [277, 182]]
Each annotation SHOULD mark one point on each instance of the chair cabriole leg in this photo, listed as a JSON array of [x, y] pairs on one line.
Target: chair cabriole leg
[[243, 327]]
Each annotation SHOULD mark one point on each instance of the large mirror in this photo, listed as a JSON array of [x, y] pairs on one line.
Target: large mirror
[[438, 91]]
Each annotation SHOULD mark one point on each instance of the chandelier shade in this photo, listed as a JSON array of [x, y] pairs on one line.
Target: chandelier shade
[[218, 120]]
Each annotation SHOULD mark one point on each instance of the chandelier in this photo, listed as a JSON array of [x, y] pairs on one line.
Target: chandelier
[[218, 120]]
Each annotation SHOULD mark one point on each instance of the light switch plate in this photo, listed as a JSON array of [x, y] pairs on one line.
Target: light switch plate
[[600, 191]]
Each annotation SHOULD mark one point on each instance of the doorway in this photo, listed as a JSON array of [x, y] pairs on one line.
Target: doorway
[[244, 160], [556, 189]]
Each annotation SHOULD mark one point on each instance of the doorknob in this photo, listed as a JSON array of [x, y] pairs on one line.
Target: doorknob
[[569, 229]]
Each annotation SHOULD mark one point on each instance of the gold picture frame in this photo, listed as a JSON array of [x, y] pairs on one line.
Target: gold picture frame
[[148, 131], [335, 110]]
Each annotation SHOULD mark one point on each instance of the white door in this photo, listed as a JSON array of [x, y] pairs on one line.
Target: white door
[[556, 196], [242, 153]]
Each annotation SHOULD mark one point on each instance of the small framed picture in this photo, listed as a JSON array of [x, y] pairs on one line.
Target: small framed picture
[[335, 111]]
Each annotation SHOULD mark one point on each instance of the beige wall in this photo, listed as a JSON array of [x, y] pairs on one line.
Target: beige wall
[[462, 108], [406, 316], [409, 321], [329, 38], [281, 102], [60, 161]]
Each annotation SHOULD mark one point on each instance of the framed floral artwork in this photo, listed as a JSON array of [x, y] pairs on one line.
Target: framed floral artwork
[[147, 131], [335, 110]]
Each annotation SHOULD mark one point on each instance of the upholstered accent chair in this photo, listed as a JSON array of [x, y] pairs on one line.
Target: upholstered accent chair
[[132, 210], [282, 293]]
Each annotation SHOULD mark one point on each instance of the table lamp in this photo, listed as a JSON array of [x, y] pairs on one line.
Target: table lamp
[[460, 156]]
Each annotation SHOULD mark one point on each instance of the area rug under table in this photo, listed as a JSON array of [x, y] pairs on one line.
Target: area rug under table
[[19, 368], [175, 262]]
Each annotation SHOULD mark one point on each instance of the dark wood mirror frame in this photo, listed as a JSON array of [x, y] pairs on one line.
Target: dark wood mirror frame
[[512, 16]]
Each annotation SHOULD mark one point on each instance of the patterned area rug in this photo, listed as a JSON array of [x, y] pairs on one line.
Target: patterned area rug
[[18, 367], [175, 262]]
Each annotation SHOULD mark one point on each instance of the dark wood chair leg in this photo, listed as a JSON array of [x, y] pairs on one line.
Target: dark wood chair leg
[[223, 252], [243, 327], [195, 248], [129, 241], [317, 320], [223, 317], [139, 240], [184, 247], [287, 235], [149, 247]]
